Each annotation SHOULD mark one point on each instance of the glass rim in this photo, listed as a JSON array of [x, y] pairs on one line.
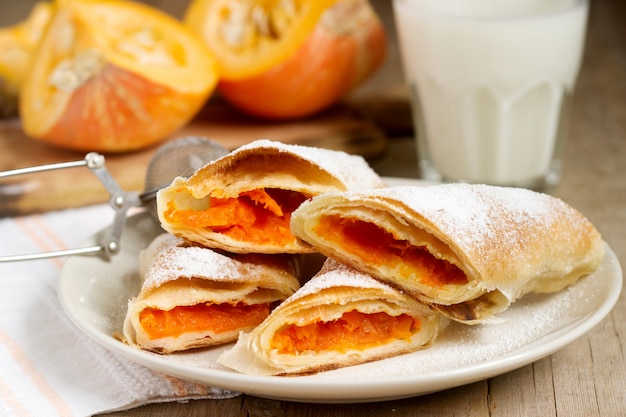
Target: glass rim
[[568, 7]]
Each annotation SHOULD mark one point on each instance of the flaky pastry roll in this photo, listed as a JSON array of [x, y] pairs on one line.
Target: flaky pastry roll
[[467, 250], [148, 254], [339, 318], [243, 201], [195, 297]]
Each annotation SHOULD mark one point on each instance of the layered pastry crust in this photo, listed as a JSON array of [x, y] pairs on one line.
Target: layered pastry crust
[[341, 317], [195, 297], [467, 250], [243, 201]]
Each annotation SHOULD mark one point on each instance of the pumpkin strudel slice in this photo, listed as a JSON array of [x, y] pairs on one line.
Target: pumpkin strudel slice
[[467, 250], [196, 297], [341, 317], [243, 201]]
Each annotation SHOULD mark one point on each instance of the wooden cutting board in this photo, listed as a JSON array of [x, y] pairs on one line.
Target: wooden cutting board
[[342, 128]]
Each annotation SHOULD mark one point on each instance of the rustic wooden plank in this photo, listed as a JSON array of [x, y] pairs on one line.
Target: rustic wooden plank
[[608, 353], [465, 401], [574, 385], [525, 392]]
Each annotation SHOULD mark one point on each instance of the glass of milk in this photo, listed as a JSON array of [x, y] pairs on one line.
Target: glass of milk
[[491, 84]]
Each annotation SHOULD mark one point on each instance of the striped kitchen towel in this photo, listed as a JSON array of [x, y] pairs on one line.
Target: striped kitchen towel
[[48, 367]]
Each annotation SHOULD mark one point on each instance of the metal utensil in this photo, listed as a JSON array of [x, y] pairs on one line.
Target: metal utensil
[[181, 157]]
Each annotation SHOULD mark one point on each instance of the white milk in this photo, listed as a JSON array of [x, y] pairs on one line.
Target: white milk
[[492, 79]]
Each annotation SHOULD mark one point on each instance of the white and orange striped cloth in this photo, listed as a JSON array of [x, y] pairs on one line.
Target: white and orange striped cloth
[[48, 367]]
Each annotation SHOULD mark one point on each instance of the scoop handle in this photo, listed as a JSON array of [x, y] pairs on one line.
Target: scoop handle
[[120, 200]]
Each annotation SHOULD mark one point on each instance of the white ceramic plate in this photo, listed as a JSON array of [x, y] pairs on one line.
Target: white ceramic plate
[[94, 293]]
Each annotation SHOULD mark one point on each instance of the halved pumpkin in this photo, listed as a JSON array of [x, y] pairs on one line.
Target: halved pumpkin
[[290, 58], [17, 43], [112, 75], [249, 37]]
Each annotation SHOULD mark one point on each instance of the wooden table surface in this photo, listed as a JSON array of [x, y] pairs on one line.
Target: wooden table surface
[[586, 378]]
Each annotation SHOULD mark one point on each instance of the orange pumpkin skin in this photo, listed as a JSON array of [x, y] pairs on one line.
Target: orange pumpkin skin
[[120, 111], [332, 62], [113, 76]]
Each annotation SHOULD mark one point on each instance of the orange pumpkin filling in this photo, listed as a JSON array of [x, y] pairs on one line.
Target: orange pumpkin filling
[[377, 246], [259, 216], [217, 318], [354, 330]]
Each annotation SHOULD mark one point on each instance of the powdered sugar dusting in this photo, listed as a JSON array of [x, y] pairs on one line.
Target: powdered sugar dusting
[[484, 223], [188, 262], [477, 214], [353, 170], [334, 274]]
